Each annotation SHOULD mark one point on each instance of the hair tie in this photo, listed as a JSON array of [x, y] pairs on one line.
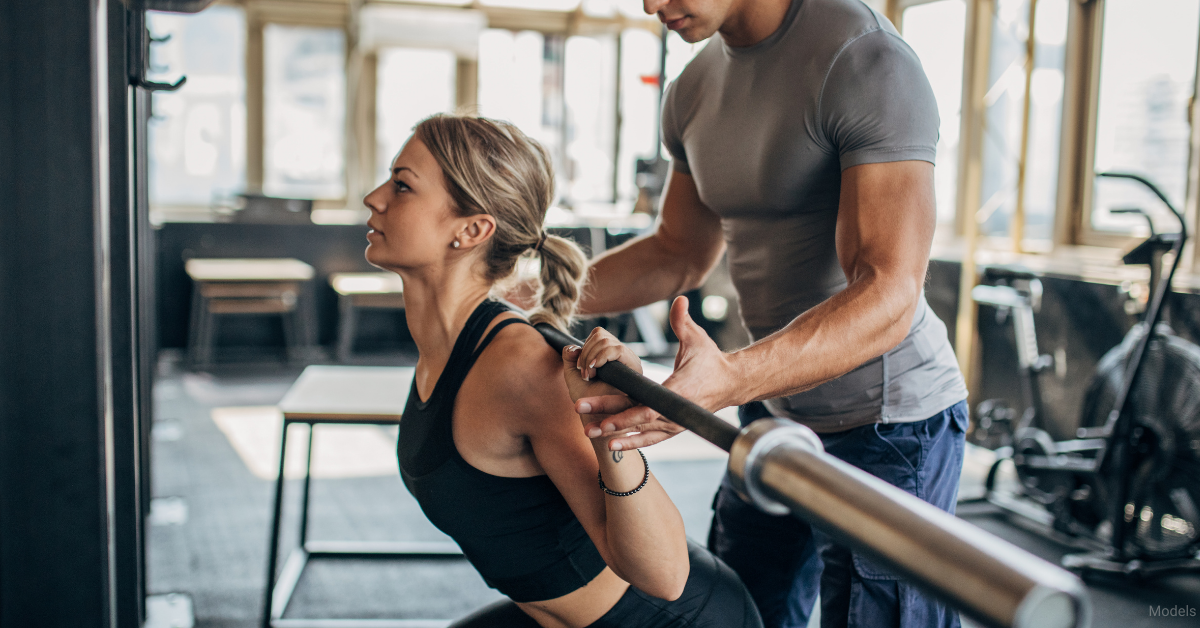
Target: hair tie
[[541, 240]]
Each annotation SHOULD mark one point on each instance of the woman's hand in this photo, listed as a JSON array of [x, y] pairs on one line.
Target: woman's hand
[[599, 349], [579, 369]]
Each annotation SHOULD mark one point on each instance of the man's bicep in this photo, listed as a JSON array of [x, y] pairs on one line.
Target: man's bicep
[[686, 225], [886, 219]]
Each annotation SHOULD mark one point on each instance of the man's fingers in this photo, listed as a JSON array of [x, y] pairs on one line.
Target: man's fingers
[[621, 422], [606, 404], [629, 420]]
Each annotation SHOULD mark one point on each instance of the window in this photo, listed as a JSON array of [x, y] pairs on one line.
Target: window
[[589, 90], [304, 112], [1147, 74], [936, 32], [679, 54], [639, 106], [197, 135], [519, 82], [536, 5], [1005, 117], [411, 85]]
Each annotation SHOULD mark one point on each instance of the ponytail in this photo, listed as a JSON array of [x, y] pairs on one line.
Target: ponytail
[[563, 266]]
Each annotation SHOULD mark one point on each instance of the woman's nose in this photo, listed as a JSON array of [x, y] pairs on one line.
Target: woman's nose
[[372, 202]]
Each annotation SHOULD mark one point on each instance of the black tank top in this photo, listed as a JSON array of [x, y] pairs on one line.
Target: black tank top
[[519, 533]]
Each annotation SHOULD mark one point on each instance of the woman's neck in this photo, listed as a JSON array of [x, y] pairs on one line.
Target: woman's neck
[[437, 305]]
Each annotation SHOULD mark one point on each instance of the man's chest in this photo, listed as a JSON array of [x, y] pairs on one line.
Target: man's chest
[[755, 146]]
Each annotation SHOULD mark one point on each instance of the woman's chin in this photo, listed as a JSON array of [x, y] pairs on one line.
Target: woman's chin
[[373, 255]]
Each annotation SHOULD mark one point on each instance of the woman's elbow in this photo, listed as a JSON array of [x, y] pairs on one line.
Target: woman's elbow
[[671, 586]]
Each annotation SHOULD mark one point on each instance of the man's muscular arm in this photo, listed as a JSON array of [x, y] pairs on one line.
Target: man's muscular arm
[[683, 249], [886, 218]]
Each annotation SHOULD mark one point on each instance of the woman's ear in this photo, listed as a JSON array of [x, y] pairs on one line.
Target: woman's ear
[[478, 229]]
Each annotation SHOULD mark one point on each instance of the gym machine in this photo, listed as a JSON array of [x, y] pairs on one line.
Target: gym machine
[[1126, 488]]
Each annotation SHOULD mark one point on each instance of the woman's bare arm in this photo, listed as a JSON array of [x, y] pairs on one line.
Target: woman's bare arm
[[640, 536]]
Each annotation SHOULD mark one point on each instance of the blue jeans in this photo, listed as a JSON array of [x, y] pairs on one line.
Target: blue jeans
[[784, 562]]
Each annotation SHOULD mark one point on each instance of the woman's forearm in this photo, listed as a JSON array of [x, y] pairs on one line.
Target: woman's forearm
[[644, 530]]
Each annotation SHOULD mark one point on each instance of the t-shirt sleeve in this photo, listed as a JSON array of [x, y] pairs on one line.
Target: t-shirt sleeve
[[876, 105], [671, 137]]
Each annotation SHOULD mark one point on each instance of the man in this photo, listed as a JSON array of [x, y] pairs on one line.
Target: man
[[803, 140]]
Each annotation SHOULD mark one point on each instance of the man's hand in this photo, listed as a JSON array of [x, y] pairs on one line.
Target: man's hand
[[702, 375]]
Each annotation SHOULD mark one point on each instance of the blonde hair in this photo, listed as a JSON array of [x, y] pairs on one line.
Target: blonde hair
[[491, 167]]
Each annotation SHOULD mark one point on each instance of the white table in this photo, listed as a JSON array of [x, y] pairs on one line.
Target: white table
[[343, 395]]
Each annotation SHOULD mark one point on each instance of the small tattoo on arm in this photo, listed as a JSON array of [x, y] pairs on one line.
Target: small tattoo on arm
[[618, 455]]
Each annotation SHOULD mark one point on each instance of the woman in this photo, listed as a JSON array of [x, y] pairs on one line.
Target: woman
[[490, 444]]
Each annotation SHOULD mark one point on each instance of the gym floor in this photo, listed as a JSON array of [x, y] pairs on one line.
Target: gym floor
[[215, 442]]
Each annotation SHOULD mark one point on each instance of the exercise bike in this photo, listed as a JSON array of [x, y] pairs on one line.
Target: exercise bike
[[1127, 488]]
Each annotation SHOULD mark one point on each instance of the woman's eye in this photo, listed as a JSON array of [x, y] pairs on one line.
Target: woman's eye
[[401, 186]]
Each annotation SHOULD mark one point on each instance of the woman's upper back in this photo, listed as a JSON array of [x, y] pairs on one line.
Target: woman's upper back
[[518, 532]]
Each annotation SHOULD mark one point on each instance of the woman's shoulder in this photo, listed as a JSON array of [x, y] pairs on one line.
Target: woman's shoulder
[[524, 371]]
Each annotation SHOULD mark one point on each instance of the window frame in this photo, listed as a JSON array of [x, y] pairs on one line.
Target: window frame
[[361, 66], [967, 143], [1088, 32], [1073, 220], [259, 14]]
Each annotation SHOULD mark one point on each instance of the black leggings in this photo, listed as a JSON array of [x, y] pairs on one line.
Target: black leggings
[[714, 597]]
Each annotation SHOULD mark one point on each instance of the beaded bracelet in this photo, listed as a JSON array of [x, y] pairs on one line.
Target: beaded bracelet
[[645, 480]]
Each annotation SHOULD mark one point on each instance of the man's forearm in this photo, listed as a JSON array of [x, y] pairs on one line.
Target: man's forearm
[[864, 321], [637, 273]]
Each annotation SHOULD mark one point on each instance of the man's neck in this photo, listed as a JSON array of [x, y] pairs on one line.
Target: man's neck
[[752, 21]]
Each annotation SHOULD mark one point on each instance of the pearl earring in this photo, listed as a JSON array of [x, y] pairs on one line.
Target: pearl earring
[[455, 244]]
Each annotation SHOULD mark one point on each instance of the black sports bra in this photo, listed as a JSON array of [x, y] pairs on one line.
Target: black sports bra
[[519, 533]]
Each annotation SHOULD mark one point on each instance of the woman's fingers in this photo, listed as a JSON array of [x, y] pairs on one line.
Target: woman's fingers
[[601, 348]]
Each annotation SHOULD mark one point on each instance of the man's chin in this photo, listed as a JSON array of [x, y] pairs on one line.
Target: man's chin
[[694, 35]]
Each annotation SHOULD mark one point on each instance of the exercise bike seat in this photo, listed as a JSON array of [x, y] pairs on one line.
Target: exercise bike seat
[[1145, 251]]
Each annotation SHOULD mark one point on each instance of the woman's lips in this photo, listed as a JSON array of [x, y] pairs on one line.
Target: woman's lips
[[675, 24]]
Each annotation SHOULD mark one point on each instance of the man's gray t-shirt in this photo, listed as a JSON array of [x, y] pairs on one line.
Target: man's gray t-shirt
[[766, 132]]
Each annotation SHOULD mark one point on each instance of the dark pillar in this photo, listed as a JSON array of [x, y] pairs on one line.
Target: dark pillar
[[65, 321]]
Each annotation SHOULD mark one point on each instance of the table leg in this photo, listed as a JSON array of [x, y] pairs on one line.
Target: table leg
[[290, 337], [194, 325], [273, 548], [347, 323], [208, 333], [307, 481]]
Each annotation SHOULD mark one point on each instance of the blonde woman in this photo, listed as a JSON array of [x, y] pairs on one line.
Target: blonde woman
[[574, 534]]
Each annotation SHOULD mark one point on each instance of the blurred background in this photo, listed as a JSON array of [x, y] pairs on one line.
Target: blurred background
[[237, 235]]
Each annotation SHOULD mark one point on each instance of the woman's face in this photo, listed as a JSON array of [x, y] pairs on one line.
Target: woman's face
[[412, 222]]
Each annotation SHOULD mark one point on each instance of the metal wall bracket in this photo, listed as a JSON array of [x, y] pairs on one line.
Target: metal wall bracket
[[140, 40]]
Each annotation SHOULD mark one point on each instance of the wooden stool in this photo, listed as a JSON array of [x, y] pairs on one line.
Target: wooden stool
[[381, 291], [247, 286], [342, 395]]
